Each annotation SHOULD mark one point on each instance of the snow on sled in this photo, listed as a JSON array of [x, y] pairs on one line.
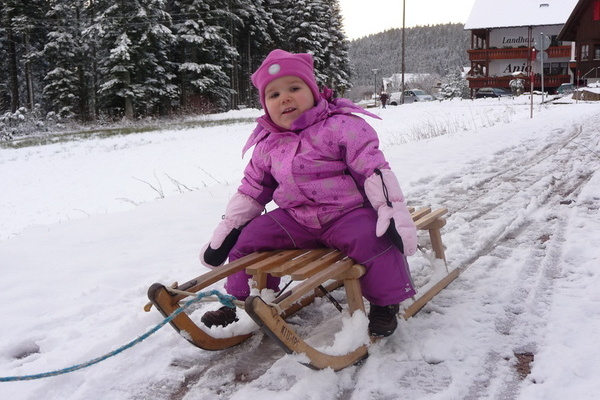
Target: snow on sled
[[313, 274]]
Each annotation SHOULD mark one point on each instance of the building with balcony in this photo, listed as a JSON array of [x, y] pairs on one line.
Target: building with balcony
[[583, 28], [504, 36]]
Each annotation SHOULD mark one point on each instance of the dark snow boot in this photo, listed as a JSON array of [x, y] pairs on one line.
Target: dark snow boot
[[383, 320], [221, 317]]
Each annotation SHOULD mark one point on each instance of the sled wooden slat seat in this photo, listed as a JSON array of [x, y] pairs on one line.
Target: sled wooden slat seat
[[288, 267], [315, 273]]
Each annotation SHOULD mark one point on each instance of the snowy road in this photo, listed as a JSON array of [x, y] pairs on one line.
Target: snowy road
[[517, 211], [523, 197], [476, 339]]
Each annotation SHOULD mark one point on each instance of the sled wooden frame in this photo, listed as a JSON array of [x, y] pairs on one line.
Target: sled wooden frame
[[314, 269]]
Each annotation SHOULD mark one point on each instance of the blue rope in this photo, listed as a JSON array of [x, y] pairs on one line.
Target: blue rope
[[224, 299]]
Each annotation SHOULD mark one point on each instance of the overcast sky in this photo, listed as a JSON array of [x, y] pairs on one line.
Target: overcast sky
[[364, 17]]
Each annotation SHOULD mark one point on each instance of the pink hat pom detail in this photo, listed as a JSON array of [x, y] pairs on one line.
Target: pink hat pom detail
[[281, 63]]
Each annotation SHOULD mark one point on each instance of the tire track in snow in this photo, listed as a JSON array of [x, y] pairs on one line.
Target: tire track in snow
[[507, 204], [510, 208]]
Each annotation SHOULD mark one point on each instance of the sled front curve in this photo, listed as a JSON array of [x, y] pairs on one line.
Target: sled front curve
[[280, 331], [163, 300], [167, 302], [270, 317]]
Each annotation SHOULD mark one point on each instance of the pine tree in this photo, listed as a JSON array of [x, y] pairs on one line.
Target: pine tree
[[253, 38], [315, 26], [4, 76], [66, 89], [156, 72], [23, 22], [135, 73], [304, 32], [336, 64], [204, 54]]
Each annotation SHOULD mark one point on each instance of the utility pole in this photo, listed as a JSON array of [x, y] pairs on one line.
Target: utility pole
[[375, 70], [403, 65]]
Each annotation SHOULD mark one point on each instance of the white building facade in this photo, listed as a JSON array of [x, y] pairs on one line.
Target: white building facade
[[504, 36]]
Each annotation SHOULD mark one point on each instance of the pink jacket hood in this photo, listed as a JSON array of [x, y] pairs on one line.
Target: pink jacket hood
[[317, 169], [325, 107]]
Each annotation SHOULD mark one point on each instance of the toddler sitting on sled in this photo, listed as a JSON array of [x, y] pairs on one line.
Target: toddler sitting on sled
[[322, 166]]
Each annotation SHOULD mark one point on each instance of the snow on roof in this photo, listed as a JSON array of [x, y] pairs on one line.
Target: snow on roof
[[511, 13]]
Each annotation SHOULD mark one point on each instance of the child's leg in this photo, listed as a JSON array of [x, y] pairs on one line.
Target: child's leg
[[387, 280], [272, 231]]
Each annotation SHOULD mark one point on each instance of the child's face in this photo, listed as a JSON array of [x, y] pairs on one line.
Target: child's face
[[286, 98]]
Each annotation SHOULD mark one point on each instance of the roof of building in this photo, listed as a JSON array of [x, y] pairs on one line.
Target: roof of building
[[569, 31], [514, 13]]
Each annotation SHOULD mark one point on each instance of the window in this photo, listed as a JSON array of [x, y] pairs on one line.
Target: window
[[597, 52], [585, 52], [597, 10], [556, 68]]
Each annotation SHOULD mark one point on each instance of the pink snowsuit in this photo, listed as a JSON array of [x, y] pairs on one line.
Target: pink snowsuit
[[315, 173]]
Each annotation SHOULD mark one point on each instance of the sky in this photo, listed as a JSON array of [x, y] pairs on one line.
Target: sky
[[362, 18]]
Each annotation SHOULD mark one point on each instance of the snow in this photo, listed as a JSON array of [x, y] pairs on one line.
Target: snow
[[512, 13], [86, 226]]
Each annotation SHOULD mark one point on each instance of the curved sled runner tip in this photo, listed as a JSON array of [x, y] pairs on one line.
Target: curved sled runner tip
[[276, 328], [167, 303]]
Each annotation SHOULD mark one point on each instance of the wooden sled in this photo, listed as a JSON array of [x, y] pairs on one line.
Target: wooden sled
[[316, 272]]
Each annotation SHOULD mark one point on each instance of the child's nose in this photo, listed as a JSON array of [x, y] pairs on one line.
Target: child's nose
[[285, 97]]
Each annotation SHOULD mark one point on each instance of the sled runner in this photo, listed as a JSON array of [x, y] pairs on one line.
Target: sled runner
[[314, 273]]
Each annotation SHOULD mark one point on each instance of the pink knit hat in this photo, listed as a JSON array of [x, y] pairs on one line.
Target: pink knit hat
[[281, 63]]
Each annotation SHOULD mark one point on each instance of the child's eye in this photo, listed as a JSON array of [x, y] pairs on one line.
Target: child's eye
[[273, 95]]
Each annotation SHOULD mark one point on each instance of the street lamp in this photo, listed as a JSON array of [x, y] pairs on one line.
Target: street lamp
[[375, 70]]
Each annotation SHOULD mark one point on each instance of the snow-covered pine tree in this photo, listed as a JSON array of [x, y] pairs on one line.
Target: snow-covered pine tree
[[253, 39], [66, 83], [24, 24], [4, 76], [314, 26], [304, 32], [135, 75], [277, 11], [203, 53], [156, 70], [454, 85], [336, 64]]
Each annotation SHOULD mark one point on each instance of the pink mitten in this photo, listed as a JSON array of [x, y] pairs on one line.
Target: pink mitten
[[240, 210], [384, 193]]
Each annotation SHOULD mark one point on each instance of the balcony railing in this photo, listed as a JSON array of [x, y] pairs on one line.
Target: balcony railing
[[503, 81], [512, 53]]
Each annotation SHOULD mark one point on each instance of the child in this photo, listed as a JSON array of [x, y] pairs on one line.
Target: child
[[323, 168]]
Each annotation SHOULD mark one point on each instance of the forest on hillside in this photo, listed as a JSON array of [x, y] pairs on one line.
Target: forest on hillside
[[437, 50]]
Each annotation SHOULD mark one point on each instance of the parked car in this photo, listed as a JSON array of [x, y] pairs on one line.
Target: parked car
[[395, 98], [410, 96], [565, 88], [492, 92]]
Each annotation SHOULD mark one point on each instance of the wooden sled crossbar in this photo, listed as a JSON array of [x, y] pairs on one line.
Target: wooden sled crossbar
[[317, 272]]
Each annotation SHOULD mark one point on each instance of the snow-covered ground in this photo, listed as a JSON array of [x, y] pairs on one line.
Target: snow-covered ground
[[87, 226]]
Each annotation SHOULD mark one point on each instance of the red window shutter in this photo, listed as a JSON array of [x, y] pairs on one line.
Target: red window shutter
[[597, 10]]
